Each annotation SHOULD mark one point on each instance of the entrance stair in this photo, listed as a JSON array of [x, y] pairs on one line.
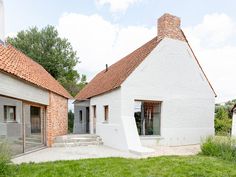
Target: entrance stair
[[74, 140]]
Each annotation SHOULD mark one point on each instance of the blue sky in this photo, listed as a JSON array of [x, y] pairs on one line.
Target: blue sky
[[24, 13], [103, 31]]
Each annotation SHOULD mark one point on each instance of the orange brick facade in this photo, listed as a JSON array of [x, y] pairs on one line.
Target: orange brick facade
[[57, 117], [169, 26]]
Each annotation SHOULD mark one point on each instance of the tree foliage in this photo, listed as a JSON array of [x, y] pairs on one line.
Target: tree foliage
[[55, 54], [70, 121], [223, 118]]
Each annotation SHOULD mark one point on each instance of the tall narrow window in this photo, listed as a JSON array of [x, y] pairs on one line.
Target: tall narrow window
[[80, 115], [106, 113], [10, 113], [94, 111]]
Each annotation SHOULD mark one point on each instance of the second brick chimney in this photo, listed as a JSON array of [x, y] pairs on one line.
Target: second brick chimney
[[169, 26]]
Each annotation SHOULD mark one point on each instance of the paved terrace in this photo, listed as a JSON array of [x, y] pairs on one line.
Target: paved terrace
[[86, 152]]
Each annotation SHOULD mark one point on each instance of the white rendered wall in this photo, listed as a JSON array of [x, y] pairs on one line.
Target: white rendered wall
[[111, 132], [12, 87], [170, 74], [234, 125]]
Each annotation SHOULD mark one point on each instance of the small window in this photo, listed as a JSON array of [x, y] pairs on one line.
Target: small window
[[10, 113], [106, 113], [94, 111], [80, 115]]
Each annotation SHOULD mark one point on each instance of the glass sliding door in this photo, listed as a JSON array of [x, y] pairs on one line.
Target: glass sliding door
[[34, 126], [22, 125], [148, 117]]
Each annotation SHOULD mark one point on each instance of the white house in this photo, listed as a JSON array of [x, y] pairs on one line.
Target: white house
[[158, 94]]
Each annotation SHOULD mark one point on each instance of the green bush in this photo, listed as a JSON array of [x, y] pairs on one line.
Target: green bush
[[5, 159], [223, 126], [70, 121], [222, 147], [223, 121]]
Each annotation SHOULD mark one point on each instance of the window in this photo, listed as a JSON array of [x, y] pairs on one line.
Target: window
[[94, 111], [10, 113], [106, 113], [80, 115], [148, 117]]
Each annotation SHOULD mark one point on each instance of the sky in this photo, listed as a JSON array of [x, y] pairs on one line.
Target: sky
[[104, 31]]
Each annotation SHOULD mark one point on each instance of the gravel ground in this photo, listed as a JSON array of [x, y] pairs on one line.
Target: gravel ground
[[85, 152]]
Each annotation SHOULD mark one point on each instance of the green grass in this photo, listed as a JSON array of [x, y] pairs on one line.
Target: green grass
[[174, 166]]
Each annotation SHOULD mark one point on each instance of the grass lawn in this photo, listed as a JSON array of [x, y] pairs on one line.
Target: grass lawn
[[160, 166]]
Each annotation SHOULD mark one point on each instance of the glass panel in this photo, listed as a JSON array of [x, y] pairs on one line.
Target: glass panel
[[33, 127], [148, 117], [11, 124]]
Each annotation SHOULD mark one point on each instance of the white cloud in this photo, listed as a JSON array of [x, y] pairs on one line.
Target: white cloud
[[117, 5], [100, 42], [214, 30], [212, 42]]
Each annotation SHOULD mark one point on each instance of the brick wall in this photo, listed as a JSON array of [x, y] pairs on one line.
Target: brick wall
[[169, 26], [57, 117]]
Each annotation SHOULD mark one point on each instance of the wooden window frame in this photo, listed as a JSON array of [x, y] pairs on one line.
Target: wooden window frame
[[5, 107], [106, 113]]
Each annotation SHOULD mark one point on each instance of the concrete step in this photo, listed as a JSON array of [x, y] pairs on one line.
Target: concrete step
[[74, 144], [77, 140]]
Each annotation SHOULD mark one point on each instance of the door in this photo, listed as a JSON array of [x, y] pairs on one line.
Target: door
[[87, 119], [34, 126]]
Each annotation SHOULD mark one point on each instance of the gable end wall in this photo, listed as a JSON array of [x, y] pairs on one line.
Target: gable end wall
[[170, 74]]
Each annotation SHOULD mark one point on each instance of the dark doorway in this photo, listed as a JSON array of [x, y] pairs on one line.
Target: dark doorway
[[87, 119]]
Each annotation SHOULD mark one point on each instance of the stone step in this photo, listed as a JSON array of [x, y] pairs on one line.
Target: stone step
[[72, 136], [74, 144], [77, 140]]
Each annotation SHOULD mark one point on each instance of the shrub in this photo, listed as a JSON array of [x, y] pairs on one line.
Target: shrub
[[223, 122], [70, 121], [223, 147], [223, 126], [5, 159]]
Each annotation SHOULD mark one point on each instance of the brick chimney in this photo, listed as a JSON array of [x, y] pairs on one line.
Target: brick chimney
[[2, 34], [169, 26]]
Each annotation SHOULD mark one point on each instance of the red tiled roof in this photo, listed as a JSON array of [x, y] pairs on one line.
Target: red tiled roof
[[16, 63], [117, 73]]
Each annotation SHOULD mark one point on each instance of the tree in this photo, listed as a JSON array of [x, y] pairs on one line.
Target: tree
[[55, 54], [70, 121], [223, 122]]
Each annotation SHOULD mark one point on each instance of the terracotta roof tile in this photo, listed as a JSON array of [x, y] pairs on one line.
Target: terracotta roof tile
[[16, 63], [117, 73]]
